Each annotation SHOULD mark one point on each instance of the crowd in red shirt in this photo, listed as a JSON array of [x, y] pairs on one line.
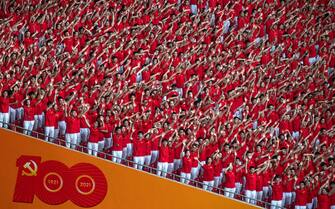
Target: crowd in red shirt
[[237, 94]]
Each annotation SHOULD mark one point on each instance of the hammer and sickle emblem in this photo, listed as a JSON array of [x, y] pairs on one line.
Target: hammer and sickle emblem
[[32, 171]]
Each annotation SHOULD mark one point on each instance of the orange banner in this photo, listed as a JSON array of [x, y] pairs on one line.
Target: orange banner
[[38, 175]]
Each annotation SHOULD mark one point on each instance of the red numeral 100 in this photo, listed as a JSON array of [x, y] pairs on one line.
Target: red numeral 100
[[54, 183]]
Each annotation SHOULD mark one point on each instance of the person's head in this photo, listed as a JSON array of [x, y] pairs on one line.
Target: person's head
[[140, 135], [209, 161], [118, 130], [165, 142], [96, 124], [249, 155], [49, 104], [226, 147], [28, 102], [5, 94], [73, 113], [277, 179], [302, 185], [187, 153]]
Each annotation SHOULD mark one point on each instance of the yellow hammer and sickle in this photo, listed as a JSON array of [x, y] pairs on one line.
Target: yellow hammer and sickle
[[33, 172]]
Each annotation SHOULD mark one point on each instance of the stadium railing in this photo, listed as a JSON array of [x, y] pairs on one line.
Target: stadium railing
[[150, 169]]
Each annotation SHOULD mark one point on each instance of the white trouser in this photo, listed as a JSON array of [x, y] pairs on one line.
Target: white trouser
[[49, 133], [92, 148], [84, 134], [315, 202], [117, 156], [287, 198], [170, 167], [229, 192], [101, 145], [38, 121], [154, 156], [238, 186], [250, 196], [295, 135], [71, 140], [217, 180], [19, 113], [185, 177], [259, 195], [124, 152], [301, 207], [309, 205], [12, 115], [4, 119], [195, 172], [266, 193], [274, 131], [139, 162], [177, 164], [162, 168], [194, 9], [62, 127], [180, 91], [208, 185], [147, 160], [108, 143], [276, 204], [129, 149], [56, 133], [28, 127]]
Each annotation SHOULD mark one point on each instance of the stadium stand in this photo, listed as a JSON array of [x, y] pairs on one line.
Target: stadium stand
[[236, 94]]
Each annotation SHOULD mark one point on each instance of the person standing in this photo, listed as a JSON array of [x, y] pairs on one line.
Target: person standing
[[163, 158], [4, 109], [301, 195], [229, 184], [250, 186], [208, 174], [117, 145], [50, 120], [28, 118], [94, 138], [139, 151], [72, 128], [185, 174], [277, 193]]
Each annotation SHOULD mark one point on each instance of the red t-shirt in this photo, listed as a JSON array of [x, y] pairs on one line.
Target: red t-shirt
[[277, 192], [72, 125], [251, 182], [208, 173], [94, 135], [323, 201], [163, 154], [301, 197], [28, 113], [139, 147], [50, 118], [117, 142], [229, 179], [4, 105], [187, 165]]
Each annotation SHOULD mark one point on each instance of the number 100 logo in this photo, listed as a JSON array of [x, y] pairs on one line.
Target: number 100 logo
[[54, 183]]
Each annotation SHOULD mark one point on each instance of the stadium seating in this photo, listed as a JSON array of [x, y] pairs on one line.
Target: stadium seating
[[238, 95]]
